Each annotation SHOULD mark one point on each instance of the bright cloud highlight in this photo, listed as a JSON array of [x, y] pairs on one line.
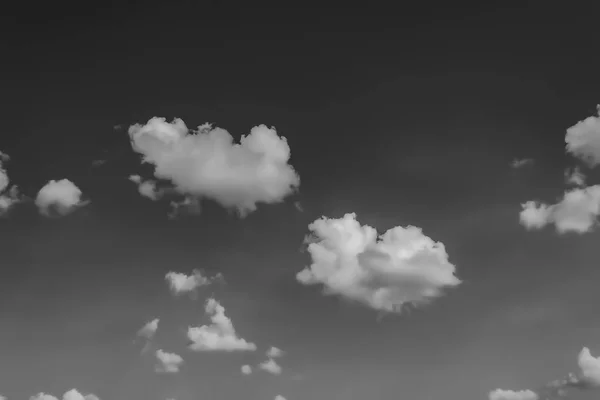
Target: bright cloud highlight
[[61, 197]]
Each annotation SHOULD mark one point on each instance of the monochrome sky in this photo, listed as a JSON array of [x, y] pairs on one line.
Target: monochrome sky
[[225, 200]]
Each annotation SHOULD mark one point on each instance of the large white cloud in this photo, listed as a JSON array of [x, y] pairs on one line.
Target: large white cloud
[[9, 195], [168, 363], [180, 283], [583, 140], [208, 164], [62, 197], [401, 267], [576, 212], [218, 336], [500, 394]]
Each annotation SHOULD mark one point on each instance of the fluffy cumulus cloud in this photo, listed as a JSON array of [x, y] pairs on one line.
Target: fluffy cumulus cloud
[[180, 283], [168, 363], [72, 394], [576, 212], [220, 335], [270, 366], [500, 394], [279, 397], [206, 163], [9, 194], [149, 329], [583, 140], [246, 369], [61, 197], [147, 188], [400, 267]]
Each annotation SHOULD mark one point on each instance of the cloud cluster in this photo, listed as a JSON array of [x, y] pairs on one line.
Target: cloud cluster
[[578, 209], [218, 336], [59, 198], [576, 212], [400, 267], [588, 377], [270, 366], [206, 163], [72, 394], [168, 363]]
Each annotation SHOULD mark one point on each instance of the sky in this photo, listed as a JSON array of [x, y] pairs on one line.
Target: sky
[[250, 200]]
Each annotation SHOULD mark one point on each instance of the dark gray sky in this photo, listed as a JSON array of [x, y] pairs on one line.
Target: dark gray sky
[[404, 116]]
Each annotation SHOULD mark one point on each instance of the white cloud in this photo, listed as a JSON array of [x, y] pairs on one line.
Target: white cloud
[[149, 329], [220, 335], [168, 362], [270, 366], [208, 164], [279, 397], [189, 205], [521, 162], [274, 352], [9, 195], [583, 140], [147, 188], [575, 177], [72, 394], [42, 396], [500, 394], [590, 367], [60, 196], [180, 283], [576, 212], [401, 267], [246, 369]]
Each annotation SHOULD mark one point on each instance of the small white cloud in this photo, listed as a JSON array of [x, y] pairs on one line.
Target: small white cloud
[[167, 362], [220, 335], [576, 212], [279, 397], [270, 366], [73, 394], [147, 188], [246, 369], [583, 140], [61, 197], [208, 164], [521, 162], [500, 394], [575, 177], [400, 267], [274, 352], [149, 329], [180, 283]]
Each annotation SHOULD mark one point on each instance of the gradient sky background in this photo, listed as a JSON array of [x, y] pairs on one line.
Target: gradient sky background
[[403, 116]]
